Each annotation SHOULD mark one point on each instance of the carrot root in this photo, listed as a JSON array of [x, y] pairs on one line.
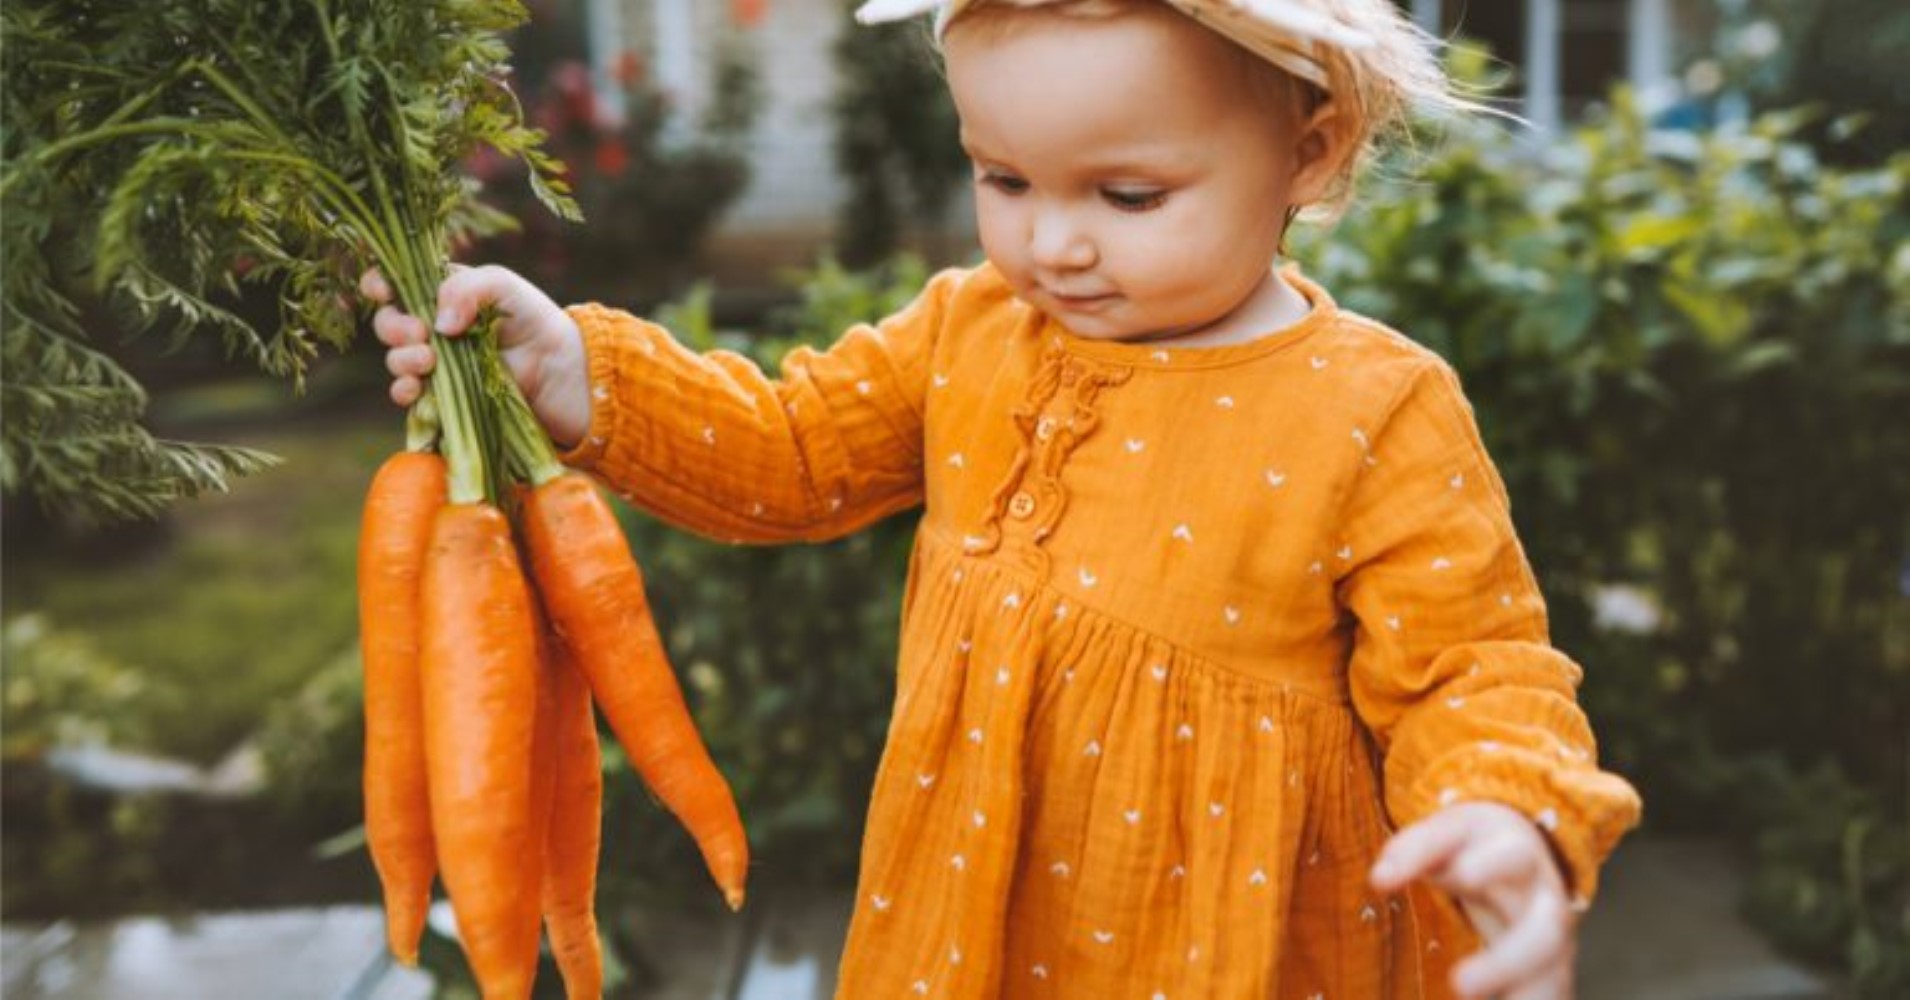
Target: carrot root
[[399, 507], [594, 592], [480, 683]]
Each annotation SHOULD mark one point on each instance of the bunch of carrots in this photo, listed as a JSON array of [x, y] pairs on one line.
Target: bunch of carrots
[[481, 751], [154, 146]]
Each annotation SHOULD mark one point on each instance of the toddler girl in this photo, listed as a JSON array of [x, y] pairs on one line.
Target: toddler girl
[[1215, 588]]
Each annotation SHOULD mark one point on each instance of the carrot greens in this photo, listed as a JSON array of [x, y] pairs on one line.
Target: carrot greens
[[163, 157]]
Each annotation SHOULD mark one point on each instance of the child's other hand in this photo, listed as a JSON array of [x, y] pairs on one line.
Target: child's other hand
[[540, 344], [1500, 868]]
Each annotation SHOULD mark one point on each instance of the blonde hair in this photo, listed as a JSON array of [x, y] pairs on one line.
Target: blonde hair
[[1371, 93]]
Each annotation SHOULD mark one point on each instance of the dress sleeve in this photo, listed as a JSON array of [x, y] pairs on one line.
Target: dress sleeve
[[712, 444], [1452, 668]]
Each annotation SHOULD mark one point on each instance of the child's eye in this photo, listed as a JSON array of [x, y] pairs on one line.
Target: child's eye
[[1134, 199], [1005, 183]]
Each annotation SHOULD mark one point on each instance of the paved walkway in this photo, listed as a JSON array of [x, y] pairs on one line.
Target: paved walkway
[[1665, 928]]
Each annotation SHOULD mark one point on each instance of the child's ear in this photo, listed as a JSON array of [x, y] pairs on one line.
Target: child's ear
[[1325, 144]]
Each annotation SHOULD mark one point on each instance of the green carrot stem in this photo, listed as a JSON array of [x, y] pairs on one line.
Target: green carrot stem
[[526, 445], [421, 423]]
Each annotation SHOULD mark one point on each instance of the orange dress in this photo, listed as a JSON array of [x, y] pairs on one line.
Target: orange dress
[[1188, 633]]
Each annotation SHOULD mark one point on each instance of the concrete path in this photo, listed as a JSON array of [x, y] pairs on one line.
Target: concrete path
[[1666, 928]]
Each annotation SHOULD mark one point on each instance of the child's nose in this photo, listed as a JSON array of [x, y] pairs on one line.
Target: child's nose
[[1059, 242]]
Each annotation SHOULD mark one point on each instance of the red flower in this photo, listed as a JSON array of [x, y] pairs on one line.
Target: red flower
[[748, 13], [629, 70], [576, 94], [612, 159]]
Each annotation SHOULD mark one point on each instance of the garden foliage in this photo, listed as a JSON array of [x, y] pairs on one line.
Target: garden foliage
[[895, 138]]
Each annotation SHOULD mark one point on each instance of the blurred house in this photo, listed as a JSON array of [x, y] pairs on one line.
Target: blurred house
[[1567, 53]]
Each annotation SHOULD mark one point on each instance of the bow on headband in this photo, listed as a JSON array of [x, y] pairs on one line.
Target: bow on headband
[[1286, 33]]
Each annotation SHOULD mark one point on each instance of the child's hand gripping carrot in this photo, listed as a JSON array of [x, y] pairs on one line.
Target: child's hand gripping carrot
[[540, 344]]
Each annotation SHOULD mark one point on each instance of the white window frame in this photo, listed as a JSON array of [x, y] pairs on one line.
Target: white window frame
[[1648, 54]]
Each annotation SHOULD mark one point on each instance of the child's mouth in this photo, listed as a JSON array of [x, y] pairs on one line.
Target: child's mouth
[[1080, 302]]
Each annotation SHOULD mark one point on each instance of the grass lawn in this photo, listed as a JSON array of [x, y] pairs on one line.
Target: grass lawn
[[237, 599]]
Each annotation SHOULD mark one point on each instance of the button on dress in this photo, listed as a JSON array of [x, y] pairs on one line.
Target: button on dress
[[1187, 635]]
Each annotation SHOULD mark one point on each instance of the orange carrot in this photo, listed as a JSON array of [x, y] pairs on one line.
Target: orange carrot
[[595, 595], [576, 829], [533, 879], [480, 698], [404, 497]]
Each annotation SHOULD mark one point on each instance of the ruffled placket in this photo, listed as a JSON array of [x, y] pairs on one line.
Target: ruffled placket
[[1058, 413]]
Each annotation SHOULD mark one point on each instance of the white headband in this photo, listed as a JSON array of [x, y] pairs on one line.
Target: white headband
[[1287, 33]]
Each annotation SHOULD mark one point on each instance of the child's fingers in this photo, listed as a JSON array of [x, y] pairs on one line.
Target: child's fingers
[[1534, 948], [1496, 863], [465, 292], [1419, 850], [398, 329], [406, 389], [415, 361], [372, 285]]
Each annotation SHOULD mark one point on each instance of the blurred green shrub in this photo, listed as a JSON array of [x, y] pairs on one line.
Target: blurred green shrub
[[59, 690], [312, 745], [1690, 355], [895, 137]]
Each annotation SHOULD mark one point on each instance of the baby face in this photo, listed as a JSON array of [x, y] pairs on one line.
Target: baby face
[[1127, 181]]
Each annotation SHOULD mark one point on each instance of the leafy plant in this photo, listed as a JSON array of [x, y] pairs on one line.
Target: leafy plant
[[895, 141], [282, 147], [59, 690]]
